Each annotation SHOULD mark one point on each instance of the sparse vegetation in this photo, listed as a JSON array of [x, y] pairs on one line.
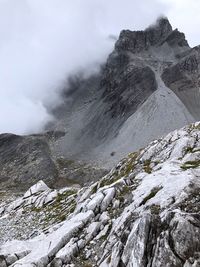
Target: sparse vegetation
[[84, 262], [147, 167], [155, 209], [189, 150], [191, 165], [65, 194], [195, 127], [105, 237], [64, 163], [56, 211], [124, 171], [109, 181], [124, 192], [94, 189], [152, 194], [130, 164]]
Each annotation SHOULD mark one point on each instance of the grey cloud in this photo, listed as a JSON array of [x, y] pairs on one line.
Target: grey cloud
[[43, 42]]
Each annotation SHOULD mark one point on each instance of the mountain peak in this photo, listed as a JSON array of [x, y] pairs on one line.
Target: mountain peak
[[155, 35], [162, 24]]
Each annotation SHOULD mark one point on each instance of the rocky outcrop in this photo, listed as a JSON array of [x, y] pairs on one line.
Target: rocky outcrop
[[145, 212], [155, 35], [127, 82], [121, 108], [183, 78], [176, 38], [24, 160], [138, 41], [126, 86]]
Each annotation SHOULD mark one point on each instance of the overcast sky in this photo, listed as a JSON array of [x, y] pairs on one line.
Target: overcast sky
[[184, 15], [42, 42]]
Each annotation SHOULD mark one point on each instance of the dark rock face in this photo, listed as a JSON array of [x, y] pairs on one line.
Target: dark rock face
[[177, 38], [72, 172], [96, 109], [166, 243], [138, 41], [184, 79], [25, 160], [186, 69], [126, 86]]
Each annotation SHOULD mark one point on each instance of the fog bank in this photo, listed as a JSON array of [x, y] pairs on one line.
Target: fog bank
[[44, 42]]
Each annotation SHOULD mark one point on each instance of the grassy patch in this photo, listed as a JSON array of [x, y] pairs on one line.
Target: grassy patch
[[34, 209], [84, 262], [152, 194], [124, 171], [197, 127], [193, 127], [155, 209], [189, 150], [57, 211], [130, 164], [196, 150], [147, 167], [65, 194], [64, 163], [191, 165], [124, 192], [94, 189], [109, 181]]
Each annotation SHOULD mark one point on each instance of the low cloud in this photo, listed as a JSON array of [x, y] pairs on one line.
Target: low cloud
[[44, 42], [184, 15]]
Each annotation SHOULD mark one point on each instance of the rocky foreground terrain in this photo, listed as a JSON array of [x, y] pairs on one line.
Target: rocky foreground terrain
[[145, 212]]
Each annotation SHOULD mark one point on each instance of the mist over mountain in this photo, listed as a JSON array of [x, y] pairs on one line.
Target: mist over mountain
[[147, 88], [43, 43]]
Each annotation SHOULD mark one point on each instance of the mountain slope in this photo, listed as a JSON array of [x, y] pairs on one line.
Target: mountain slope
[[24, 160], [148, 87], [132, 96], [137, 215], [183, 78]]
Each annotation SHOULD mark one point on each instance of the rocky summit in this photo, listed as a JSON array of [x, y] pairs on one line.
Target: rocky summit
[[148, 87], [114, 180]]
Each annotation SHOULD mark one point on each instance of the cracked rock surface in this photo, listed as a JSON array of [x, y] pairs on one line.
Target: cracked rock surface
[[144, 213]]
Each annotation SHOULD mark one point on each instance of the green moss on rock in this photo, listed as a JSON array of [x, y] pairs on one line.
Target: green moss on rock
[[152, 194], [190, 165], [155, 209], [147, 167]]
